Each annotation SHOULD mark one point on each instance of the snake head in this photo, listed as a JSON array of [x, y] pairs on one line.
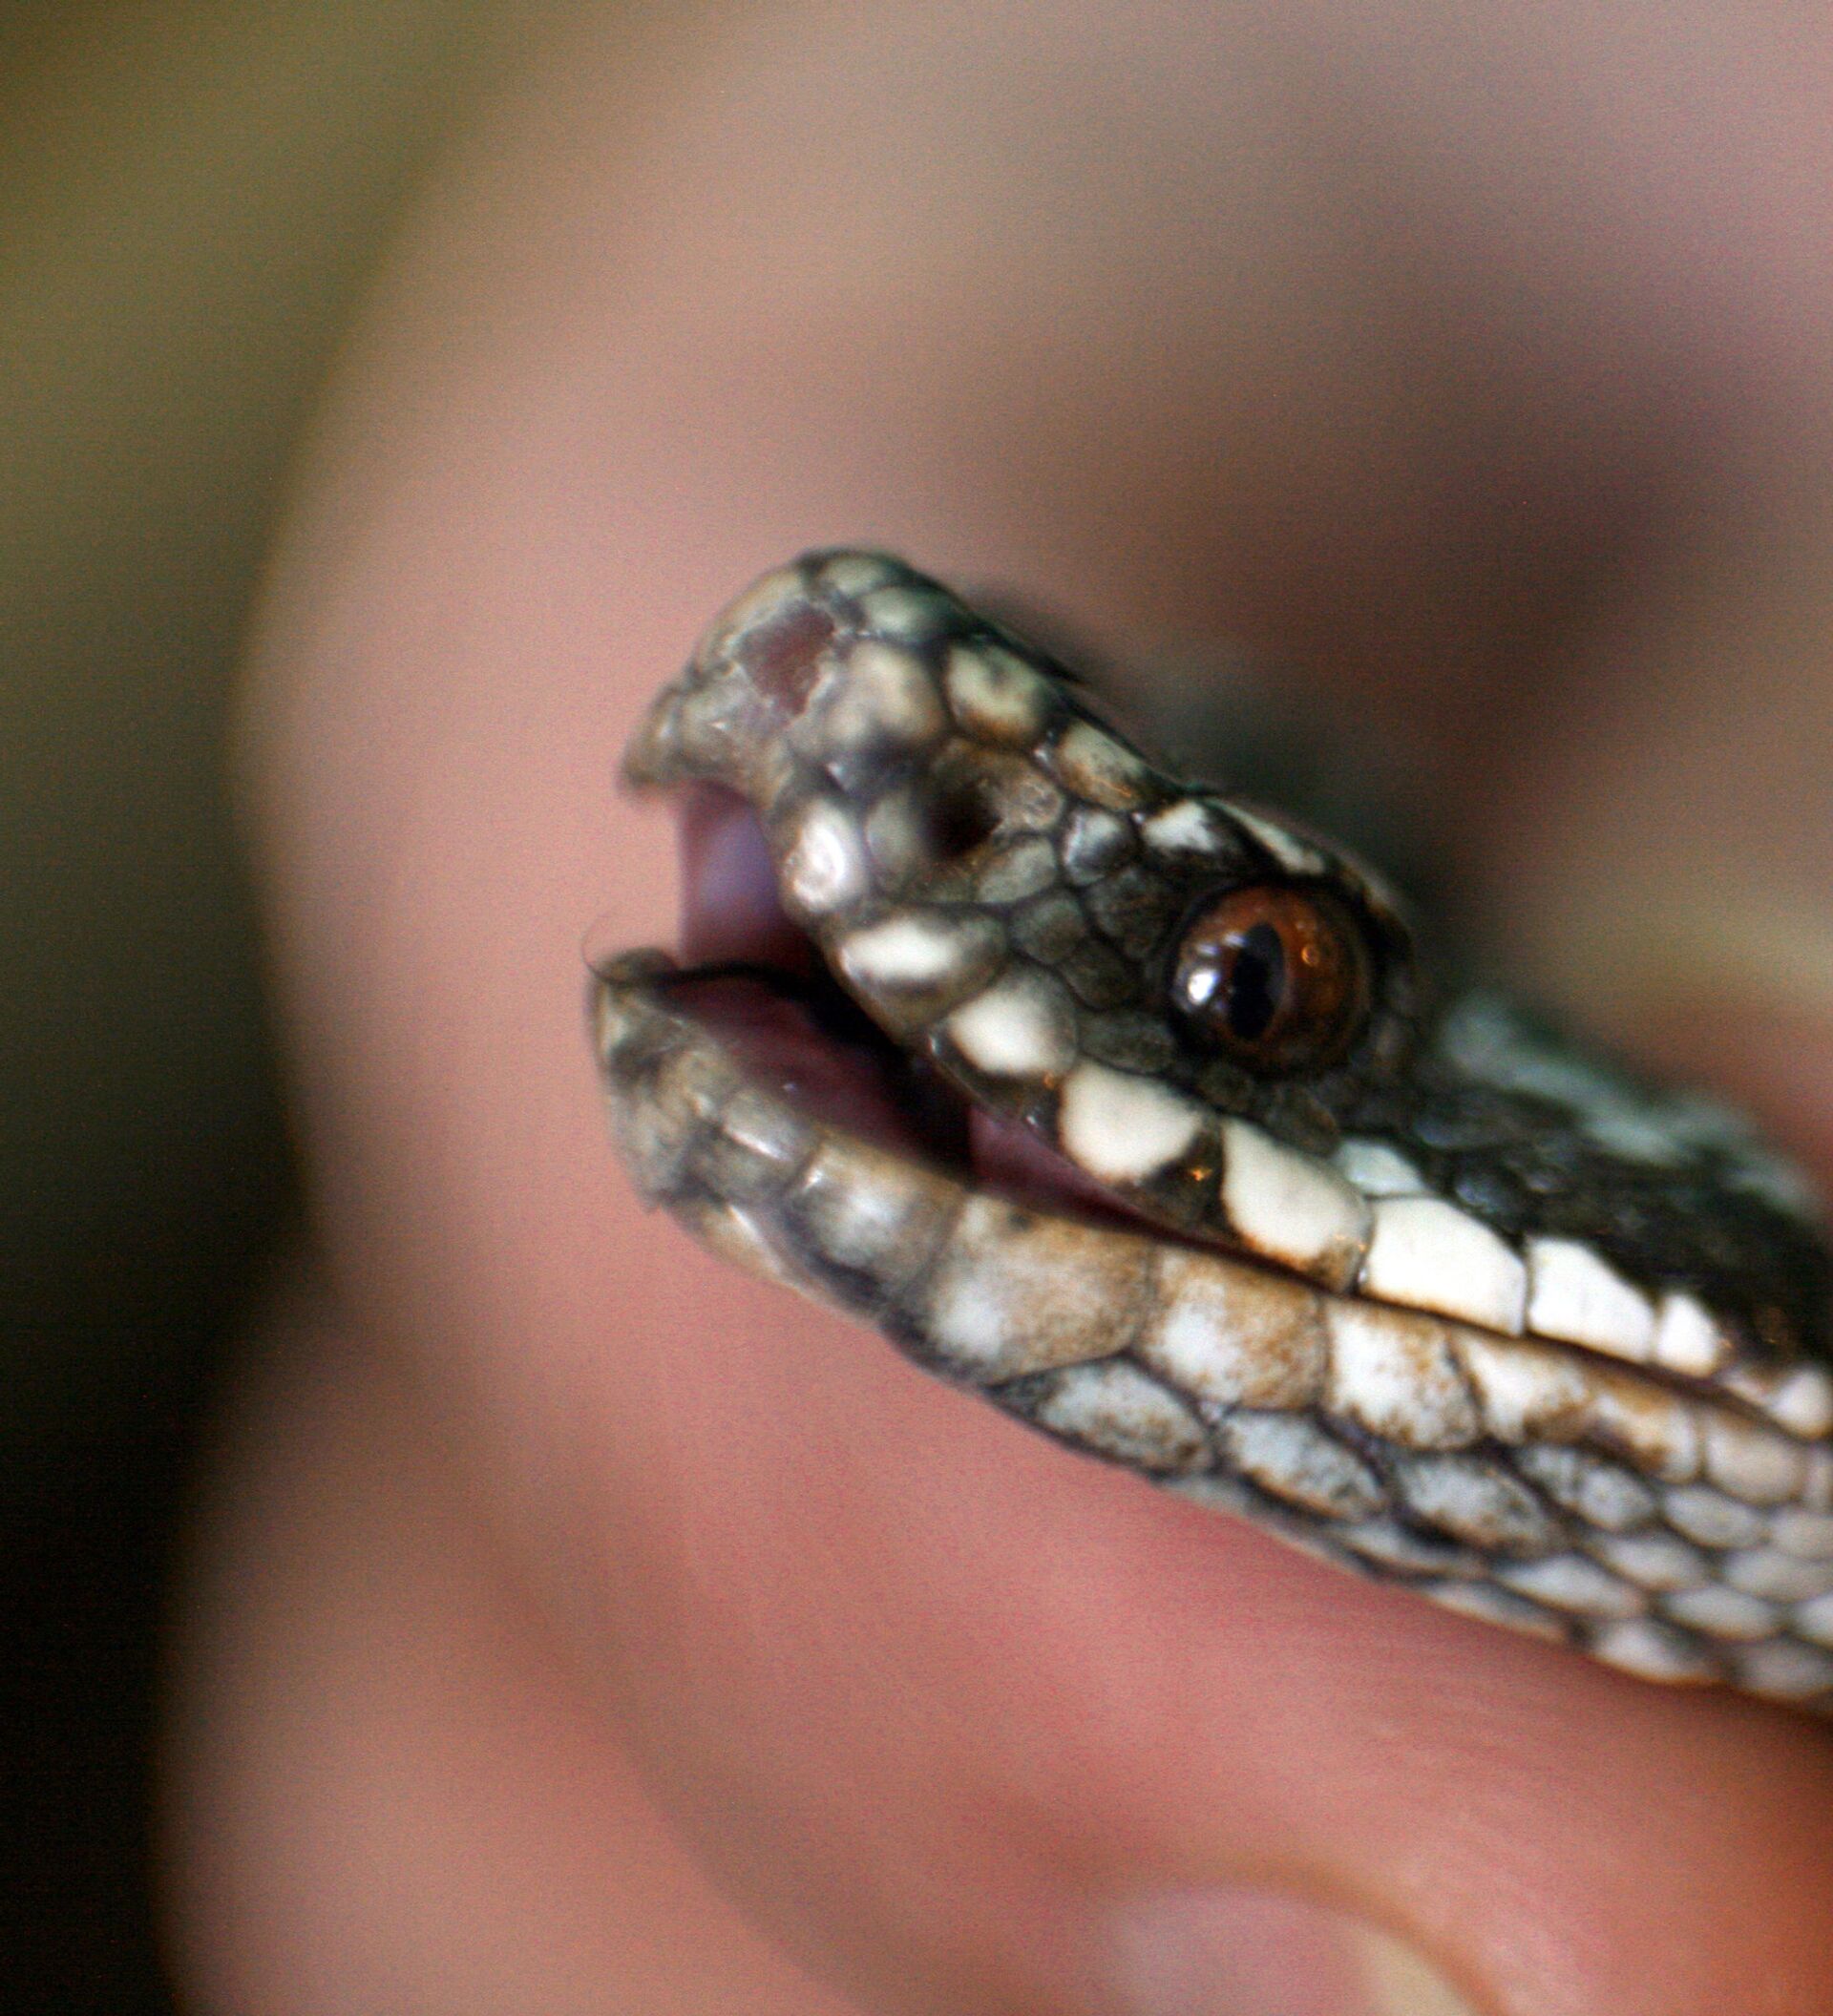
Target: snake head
[[1127, 1101], [1128, 969]]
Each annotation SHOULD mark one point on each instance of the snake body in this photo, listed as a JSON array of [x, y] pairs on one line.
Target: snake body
[[1404, 1275]]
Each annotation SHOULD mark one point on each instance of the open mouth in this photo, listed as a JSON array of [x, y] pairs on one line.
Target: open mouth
[[763, 987]]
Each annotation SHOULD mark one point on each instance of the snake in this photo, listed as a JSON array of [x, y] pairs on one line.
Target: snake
[[1134, 1106]]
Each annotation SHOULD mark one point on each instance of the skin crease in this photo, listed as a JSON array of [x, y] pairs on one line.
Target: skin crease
[[1496, 410]]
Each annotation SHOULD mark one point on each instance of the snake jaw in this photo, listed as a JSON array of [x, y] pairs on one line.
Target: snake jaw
[[1313, 1296]]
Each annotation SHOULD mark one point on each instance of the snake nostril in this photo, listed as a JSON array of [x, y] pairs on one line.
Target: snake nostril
[[958, 815]]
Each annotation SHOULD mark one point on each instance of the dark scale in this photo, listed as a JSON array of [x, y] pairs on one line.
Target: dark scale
[[1131, 1040], [1296, 1115], [1134, 908], [1098, 976], [1049, 928], [1494, 1195], [1463, 1119]]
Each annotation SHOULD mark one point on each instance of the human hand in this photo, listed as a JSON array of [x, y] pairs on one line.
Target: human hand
[[566, 1586]]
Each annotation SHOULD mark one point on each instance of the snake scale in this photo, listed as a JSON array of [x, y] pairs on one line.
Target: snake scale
[[1399, 1272]]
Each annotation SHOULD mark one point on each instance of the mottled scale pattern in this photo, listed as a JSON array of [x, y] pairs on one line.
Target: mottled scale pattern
[[1470, 1308], [1533, 1484]]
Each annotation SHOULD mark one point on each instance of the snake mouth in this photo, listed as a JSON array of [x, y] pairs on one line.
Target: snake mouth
[[760, 984], [759, 989]]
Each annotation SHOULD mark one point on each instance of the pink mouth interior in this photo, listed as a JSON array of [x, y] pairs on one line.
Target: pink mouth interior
[[749, 975]]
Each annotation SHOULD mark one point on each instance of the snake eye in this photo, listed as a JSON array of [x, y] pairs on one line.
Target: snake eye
[[1275, 974]]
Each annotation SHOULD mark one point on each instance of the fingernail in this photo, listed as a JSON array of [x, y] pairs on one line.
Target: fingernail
[[1266, 1953]]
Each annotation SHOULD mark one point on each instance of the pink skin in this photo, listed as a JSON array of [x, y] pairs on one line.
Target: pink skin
[[583, 1626]]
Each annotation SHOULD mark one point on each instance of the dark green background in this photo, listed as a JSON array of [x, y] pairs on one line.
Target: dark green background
[[191, 194]]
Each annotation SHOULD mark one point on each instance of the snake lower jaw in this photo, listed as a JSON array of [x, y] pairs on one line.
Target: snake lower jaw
[[1533, 1485]]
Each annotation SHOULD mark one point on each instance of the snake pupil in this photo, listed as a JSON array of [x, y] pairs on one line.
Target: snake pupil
[[1275, 975], [1256, 983]]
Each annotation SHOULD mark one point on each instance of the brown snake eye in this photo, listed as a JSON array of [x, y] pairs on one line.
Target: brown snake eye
[[1275, 974]]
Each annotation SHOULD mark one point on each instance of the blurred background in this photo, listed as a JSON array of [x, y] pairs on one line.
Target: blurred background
[[191, 194]]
